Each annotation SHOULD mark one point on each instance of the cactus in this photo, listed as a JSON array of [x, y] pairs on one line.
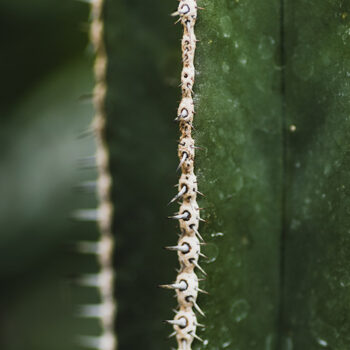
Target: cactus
[[252, 118], [270, 131]]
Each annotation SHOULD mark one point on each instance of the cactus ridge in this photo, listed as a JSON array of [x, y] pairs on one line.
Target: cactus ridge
[[188, 247], [103, 215]]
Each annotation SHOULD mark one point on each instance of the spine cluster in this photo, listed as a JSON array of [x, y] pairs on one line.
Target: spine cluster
[[188, 247]]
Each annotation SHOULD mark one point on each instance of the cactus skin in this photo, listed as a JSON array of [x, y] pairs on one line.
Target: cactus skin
[[239, 125], [316, 287]]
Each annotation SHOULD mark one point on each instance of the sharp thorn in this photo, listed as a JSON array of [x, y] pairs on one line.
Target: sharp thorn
[[172, 335], [87, 247], [198, 308], [197, 233], [194, 335], [184, 157], [181, 248], [200, 193], [182, 216], [181, 286], [104, 342], [91, 311], [199, 268], [86, 215], [178, 195], [181, 322], [202, 291], [188, 26], [90, 280]]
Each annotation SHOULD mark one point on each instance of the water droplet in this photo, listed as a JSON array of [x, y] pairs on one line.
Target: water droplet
[[322, 342], [225, 67], [240, 310], [266, 47], [217, 234], [327, 169], [226, 26], [226, 344], [211, 250], [243, 60]]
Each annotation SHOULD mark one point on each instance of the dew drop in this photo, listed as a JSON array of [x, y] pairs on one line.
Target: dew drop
[[266, 47], [226, 344], [211, 250], [217, 234], [322, 342], [225, 67], [240, 310], [243, 60], [226, 26]]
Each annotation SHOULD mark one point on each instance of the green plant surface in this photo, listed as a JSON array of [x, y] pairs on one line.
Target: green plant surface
[[239, 125], [143, 73], [271, 98], [38, 181], [41, 165], [317, 241]]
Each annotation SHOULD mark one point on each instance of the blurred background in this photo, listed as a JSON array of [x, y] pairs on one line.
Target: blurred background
[[46, 81]]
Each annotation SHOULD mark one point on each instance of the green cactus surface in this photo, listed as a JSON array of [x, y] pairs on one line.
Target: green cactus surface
[[271, 101], [316, 229]]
